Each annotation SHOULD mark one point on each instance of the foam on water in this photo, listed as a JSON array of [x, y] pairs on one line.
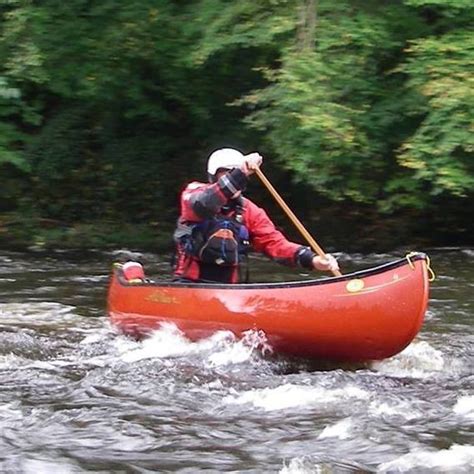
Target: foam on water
[[289, 395], [221, 348], [457, 458], [169, 341], [465, 407], [10, 411], [342, 430], [241, 350], [11, 361], [14, 362], [418, 360], [315, 464], [36, 313], [403, 409], [233, 354], [93, 338], [301, 466], [49, 466]]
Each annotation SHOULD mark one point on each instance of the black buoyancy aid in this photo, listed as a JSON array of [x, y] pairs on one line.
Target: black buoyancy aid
[[220, 240]]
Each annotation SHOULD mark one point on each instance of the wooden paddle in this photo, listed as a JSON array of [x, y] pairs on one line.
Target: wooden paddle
[[316, 248]]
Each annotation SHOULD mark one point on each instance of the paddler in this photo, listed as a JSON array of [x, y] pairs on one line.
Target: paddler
[[217, 226]]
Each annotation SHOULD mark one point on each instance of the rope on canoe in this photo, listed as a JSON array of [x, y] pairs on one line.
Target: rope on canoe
[[431, 273]]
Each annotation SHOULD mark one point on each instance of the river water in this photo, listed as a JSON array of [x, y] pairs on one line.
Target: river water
[[76, 396]]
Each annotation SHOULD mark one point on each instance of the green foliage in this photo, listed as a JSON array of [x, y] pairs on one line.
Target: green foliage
[[325, 112], [10, 136], [84, 168], [219, 26], [453, 6], [440, 151], [107, 107], [346, 112], [311, 130], [437, 156]]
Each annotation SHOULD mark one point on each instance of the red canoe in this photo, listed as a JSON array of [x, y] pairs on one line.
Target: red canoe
[[366, 315]]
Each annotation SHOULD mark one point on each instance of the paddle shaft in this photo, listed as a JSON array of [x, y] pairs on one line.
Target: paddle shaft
[[313, 244]]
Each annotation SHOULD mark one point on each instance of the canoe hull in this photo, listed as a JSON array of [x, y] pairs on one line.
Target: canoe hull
[[366, 315]]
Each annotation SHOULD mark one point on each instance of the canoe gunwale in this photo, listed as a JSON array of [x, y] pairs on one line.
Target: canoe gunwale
[[275, 285]]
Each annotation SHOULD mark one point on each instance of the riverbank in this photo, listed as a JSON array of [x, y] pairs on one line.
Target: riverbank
[[334, 230], [41, 233]]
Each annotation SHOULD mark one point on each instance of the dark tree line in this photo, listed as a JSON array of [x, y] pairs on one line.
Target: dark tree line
[[107, 107]]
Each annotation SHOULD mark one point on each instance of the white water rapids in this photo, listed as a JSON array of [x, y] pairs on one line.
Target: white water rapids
[[76, 396]]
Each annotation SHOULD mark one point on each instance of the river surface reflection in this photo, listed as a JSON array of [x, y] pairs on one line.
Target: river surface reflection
[[76, 396]]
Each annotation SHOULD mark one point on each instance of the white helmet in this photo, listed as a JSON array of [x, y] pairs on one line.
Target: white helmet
[[227, 158]]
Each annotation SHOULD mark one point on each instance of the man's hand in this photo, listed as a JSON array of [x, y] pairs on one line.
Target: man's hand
[[251, 163], [328, 264]]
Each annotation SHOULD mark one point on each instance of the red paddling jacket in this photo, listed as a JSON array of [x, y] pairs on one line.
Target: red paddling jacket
[[201, 202]]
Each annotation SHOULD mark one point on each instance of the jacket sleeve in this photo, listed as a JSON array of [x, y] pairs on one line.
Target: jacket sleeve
[[202, 201], [265, 238]]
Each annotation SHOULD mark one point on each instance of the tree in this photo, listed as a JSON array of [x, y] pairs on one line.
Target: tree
[[439, 152]]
